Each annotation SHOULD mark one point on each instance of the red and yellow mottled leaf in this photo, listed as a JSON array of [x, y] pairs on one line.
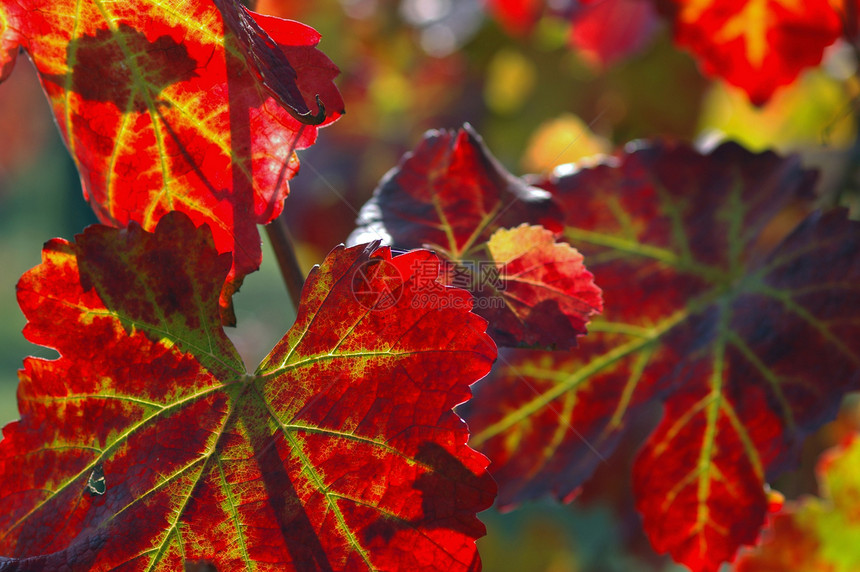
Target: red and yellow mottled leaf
[[147, 444], [757, 45], [816, 534], [544, 297], [164, 108], [547, 419], [9, 38], [451, 195], [751, 350]]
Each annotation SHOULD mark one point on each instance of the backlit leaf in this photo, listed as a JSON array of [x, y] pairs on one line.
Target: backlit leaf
[[750, 349], [548, 295], [268, 61], [452, 196], [546, 419], [9, 39], [780, 354], [147, 444], [757, 45], [163, 108]]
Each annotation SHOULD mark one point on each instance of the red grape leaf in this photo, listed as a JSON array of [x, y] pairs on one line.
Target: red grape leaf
[[778, 359], [816, 534], [451, 195], [268, 62], [547, 296], [147, 444], [750, 351], [163, 111], [757, 45]]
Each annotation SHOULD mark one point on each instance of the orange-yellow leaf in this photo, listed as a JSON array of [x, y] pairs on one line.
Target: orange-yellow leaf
[[757, 45]]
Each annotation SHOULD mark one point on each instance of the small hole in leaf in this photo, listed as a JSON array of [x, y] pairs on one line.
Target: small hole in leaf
[[96, 484]]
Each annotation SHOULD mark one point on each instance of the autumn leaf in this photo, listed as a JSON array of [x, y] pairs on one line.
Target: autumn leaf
[[781, 357], [548, 296], [543, 419], [751, 346], [166, 108], [268, 61], [452, 196], [757, 45], [9, 39], [816, 534], [147, 444]]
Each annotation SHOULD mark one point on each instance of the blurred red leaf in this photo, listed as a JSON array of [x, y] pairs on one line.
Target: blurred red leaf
[[757, 45], [166, 111], [451, 195], [606, 31], [751, 352], [517, 16], [146, 444]]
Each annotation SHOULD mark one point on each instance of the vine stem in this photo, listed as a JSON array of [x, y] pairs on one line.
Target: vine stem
[[282, 244]]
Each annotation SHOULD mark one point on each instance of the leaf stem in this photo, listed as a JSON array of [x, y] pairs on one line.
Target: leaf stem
[[282, 244]]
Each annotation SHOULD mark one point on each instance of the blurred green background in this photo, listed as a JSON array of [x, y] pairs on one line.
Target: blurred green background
[[412, 65]]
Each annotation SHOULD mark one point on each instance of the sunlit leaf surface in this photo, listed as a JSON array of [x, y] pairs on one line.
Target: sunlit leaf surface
[[147, 445], [164, 108], [451, 195], [751, 347]]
